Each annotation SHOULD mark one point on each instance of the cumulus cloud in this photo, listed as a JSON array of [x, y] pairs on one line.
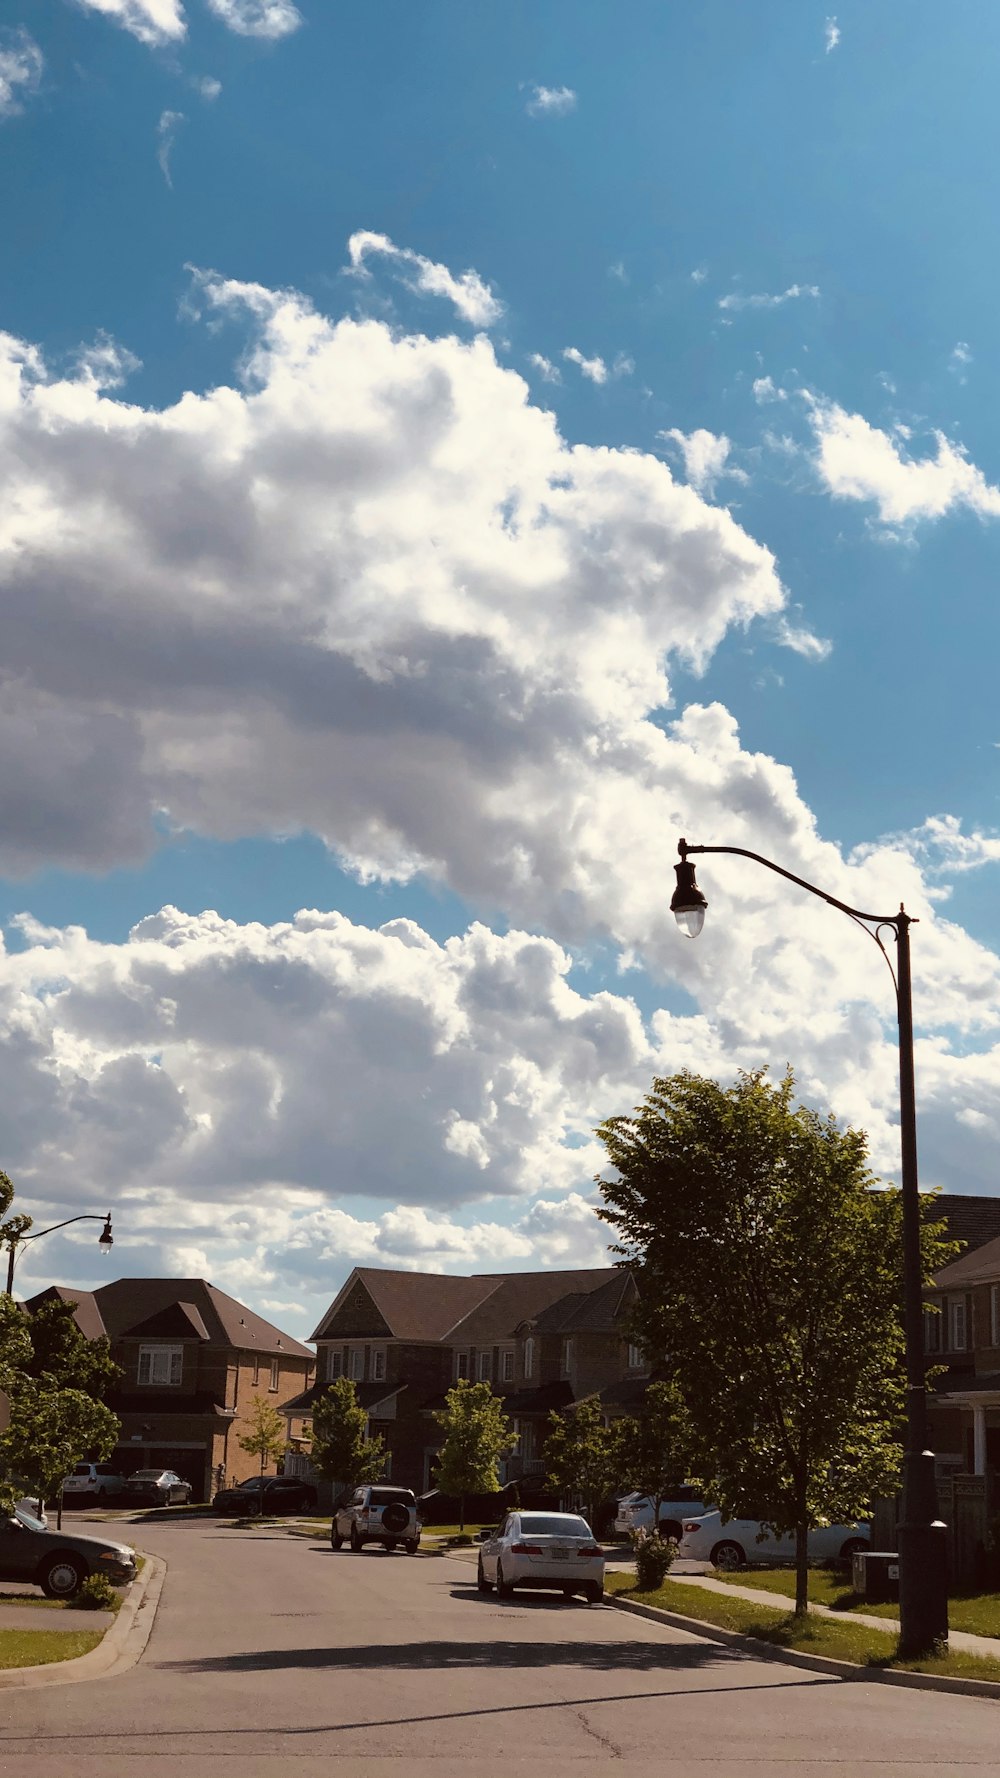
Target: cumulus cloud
[[705, 456], [207, 87], [257, 18], [831, 35], [468, 292], [858, 461], [595, 369], [548, 371], [550, 101], [761, 300], [766, 389], [151, 21], [21, 67]]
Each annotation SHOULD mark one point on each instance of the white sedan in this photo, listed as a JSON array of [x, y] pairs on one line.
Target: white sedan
[[732, 1543], [552, 1550]]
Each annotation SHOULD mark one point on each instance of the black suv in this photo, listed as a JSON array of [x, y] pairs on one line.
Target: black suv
[[377, 1513]]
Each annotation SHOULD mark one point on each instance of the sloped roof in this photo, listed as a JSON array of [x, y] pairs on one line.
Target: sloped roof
[[128, 1302], [970, 1218], [593, 1311], [369, 1396], [542, 1399], [178, 1321], [981, 1266], [531, 1296], [87, 1314], [413, 1305]]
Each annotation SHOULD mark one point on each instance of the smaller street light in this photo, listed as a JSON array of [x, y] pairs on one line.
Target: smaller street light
[[105, 1239]]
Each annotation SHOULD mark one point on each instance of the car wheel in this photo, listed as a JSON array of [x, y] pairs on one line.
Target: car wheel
[[412, 1545], [505, 1588], [854, 1547], [484, 1585], [729, 1557], [336, 1541], [355, 1539], [62, 1576], [593, 1592]]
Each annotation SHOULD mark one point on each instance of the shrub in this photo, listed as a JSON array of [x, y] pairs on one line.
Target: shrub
[[97, 1594], [653, 1559]]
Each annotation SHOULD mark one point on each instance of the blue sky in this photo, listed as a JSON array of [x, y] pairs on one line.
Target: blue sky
[[765, 234]]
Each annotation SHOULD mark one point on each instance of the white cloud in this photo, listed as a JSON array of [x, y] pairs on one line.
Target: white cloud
[[21, 68], [548, 371], [961, 358], [618, 272], [270, 19], [166, 131], [550, 101], [831, 35], [699, 274], [705, 456], [765, 389], [801, 641], [858, 461], [595, 369], [468, 292], [207, 87], [106, 364], [736, 300], [151, 21]]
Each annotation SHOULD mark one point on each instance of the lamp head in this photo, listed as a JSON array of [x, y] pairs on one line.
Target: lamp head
[[106, 1238], [687, 904]]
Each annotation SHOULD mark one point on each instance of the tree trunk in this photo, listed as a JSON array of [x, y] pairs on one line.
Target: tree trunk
[[801, 1548], [461, 1514]]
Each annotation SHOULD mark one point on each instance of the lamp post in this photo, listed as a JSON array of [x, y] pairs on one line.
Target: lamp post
[[923, 1557], [105, 1239]]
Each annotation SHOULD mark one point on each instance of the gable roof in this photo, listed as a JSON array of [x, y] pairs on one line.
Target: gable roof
[[981, 1266], [129, 1302], [411, 1305], [970, 1218], [178, 1321], [489, 1306], [516, 1297], [87, 1315]]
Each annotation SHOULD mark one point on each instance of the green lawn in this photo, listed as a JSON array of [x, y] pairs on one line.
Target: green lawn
[[36, 1648], [845, 1641], [976, 1613]]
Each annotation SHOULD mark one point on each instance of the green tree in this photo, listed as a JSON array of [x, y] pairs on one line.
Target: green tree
[[266, 1437], [583, 1455], [62, 1356], [657, 1446], [341, 1448], [770, 1279], [477, 1434]]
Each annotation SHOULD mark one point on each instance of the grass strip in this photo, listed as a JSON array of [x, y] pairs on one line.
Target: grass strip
[[858, 1643], [978, 1614], [38, 1648]]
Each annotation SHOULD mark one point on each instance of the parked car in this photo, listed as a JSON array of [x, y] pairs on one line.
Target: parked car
[[635, 1512], [58, 1561], [552, 1550], [35, 1508], [270, 1494], [733, 1543], [95, 1481], [158, 1487], [377, 1513]]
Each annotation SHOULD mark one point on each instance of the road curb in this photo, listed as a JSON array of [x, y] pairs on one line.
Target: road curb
[[120, 1647], [792, 1657]]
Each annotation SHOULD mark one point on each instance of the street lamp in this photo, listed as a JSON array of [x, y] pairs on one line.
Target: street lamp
[[105, 1239], [923, 1556]]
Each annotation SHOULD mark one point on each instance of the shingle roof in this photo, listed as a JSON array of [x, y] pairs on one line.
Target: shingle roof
[[542, 1399], [981, 1266], [368, 1395], [128, 1302], [531, 1296], [87, 1316], [970, 1218], [413, 1305], [594, 1311], [178, 1321], [171, 1402]]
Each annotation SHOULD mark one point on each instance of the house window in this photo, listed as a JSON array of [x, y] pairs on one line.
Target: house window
[[461, 1364], [567, 1356], [485, 1367], [357, 1363], [634, 1358], [378, 1364], [256, 1369], [334, 1363], [995, 1314], [932, 1331], [274, 1375], [958, 1324], [161, 1364], [507, 1364], [529, 1358]]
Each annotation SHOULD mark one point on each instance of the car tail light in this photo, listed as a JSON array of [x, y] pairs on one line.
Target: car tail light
[[692, 1525], [590, 1549], [526, 1549]]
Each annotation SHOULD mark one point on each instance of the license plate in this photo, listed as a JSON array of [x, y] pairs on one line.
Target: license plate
[[562, 1555]]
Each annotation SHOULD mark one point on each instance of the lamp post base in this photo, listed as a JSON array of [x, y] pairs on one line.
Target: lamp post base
[[923, 1562]]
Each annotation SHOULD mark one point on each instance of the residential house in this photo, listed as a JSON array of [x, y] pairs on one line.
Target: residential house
[[964, 1335], [193, 1358], [540, 1339]]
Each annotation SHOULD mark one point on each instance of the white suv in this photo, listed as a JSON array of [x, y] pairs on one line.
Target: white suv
[[377, 1513], [102, 1480], [635, 1512]]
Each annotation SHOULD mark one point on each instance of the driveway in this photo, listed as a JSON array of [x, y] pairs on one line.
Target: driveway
[[272, 1655]]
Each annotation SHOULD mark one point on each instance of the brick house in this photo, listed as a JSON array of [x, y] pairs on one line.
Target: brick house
[[541, 1340], [193, 1359]]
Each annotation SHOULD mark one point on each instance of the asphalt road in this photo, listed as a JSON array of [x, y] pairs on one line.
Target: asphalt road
[[271, 1656]]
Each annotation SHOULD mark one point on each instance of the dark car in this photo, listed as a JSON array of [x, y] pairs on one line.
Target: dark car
[[158, 1487], [267, 1494], [57, 1561]]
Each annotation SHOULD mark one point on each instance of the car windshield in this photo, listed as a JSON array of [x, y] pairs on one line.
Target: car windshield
[[387, 1496], [28, 1519], [147, 1475], [81, 1469], [554, 1525]]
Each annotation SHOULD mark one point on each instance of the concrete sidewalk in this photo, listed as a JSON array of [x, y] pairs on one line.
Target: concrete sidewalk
[[984, 1646]]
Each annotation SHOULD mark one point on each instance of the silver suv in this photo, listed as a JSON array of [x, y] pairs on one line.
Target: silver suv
[[100, 1480], [377, 1513]]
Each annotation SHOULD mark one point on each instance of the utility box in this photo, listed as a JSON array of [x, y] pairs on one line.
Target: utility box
[[875, 1576]]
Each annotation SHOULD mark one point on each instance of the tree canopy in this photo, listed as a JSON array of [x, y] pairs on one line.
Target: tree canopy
[[265, 1436], [477, 1435], [341, 1448], [584, 1456], [769, 1267]]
